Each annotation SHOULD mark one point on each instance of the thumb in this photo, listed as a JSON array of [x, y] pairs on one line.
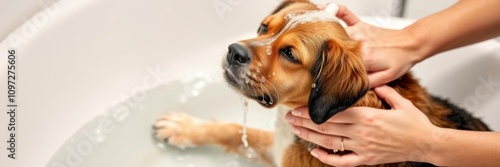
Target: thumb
[[347, 16], [378, 78]]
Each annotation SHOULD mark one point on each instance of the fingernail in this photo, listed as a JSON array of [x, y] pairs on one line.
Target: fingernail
[[314, 154], [289, 118], [297, 112], [295, 131]]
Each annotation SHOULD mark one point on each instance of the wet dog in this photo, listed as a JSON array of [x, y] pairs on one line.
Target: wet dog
[[301, 56]]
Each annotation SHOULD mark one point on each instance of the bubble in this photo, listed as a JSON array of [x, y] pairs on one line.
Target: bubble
[[289, 16], [313, 85], [268, 50], [248, 153], [259, 64], [160, 145]]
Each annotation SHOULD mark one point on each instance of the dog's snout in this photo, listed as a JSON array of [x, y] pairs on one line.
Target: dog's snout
[[237, 54]]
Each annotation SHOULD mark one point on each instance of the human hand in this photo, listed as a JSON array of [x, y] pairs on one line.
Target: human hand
[[375, 136], [387, 54]]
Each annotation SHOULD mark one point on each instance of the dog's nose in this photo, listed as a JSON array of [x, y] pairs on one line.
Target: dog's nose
[[237, 54]]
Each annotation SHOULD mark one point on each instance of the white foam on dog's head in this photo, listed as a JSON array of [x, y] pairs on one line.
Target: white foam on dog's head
[[300, 17]]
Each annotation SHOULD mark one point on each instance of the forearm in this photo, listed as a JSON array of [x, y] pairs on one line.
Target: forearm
[[467, 22], [465, 148]]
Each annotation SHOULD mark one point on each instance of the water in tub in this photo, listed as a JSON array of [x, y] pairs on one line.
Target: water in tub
[[122, 136]]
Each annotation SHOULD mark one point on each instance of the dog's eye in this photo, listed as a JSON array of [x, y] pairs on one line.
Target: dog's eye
[[287, 53], [262, 29]]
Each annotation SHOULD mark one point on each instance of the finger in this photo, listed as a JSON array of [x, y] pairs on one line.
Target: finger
[[326, 141], [351, 159], [379, 78], [347, 16], [391, 96], [302, 112], [348, 116], [337, 129]]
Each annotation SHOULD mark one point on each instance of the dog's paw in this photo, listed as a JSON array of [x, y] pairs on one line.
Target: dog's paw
[[180, 129]]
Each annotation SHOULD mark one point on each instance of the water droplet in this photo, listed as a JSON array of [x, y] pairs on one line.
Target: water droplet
[[274, 73], [313, 85], [244, 139], [263, 79], [160, 145], [268, 50], [259, 64], [249, 153]]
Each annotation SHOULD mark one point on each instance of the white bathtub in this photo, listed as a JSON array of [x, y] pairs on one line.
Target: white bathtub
[[77, 60]]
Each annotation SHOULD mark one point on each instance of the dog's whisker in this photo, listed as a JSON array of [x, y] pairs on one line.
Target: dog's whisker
[[271, 99], [275, 90]]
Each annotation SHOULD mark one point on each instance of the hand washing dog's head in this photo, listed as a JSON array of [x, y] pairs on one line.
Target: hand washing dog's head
[[302, 56]]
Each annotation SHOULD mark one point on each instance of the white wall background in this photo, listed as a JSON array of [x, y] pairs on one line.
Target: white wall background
[[13, 13], [416, 9]]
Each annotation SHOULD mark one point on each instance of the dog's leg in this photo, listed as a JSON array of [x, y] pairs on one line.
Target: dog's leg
[[182, 130]]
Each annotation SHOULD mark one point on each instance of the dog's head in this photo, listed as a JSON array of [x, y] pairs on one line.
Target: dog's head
[[301, 56]]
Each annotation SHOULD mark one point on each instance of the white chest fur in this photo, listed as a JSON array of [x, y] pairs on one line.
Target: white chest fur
[[283, 136]]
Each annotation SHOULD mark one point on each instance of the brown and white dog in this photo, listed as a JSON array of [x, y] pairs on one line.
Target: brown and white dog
[[301, 57]]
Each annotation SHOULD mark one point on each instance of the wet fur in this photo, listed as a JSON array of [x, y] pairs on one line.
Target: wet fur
[[340, 82], [330, 60]]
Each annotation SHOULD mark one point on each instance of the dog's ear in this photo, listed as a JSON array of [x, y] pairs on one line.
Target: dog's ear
[[286, 3], [340, 80]]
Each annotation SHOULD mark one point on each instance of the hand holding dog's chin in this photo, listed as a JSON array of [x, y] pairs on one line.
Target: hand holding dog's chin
[[388, 54], [375, 136]]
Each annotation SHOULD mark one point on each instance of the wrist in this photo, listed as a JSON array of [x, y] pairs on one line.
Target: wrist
[[437, 150], [422, 45]]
